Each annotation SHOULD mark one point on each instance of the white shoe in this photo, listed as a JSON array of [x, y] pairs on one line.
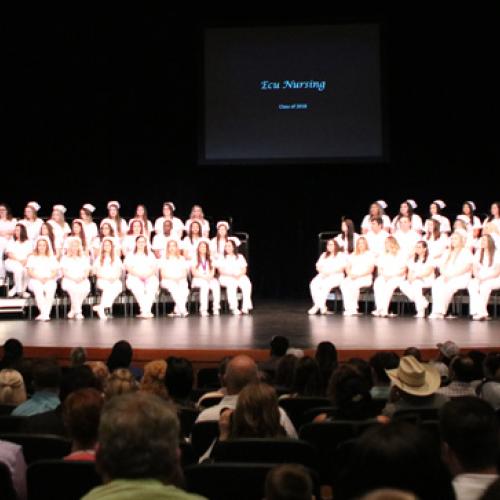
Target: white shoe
[[236, 312], [26, 295], [450, 316], [148, 315], [12, 292], [140, 315], [173, 315], [376, 313], [184, 314], [71, 315], [313, 311], [349, 313], [216, 312], [79, 316], [420, 314], [245, 311], [204, 314], [39, 317], [436, 316], [324, 311]]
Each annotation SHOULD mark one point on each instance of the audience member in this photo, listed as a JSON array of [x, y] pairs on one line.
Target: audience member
[[489, 388], [446, 352], [379, 363], [121, 357], [389, 494], [121, 381], [478, 358], [461, 374], [326, 356], [81, 414], [179, 380], [288, 482], [415, 352], [285, 372], [12, 456], [138, 452], [46, 383], [12, 390], [469, 430], [153, 380], [222, 390], [307, 381], [101, 373], [13, 357], [279, 346], [78, 356]]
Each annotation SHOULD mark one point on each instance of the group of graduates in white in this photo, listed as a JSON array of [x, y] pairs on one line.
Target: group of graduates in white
[[407, 254], [180, 255]]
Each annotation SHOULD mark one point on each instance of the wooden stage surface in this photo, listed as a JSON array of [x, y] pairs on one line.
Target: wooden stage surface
[[206, 340]]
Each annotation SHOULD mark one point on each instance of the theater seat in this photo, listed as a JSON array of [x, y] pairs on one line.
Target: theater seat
[[7, 491], [39, 446]]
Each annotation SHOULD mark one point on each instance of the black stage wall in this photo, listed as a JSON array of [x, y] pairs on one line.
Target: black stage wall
[[101, 105]]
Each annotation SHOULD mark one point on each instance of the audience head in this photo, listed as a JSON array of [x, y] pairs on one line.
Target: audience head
[[462, 369], [478, 358], [138, 439], [364, 369], [121, 356], [389, 494], [350, 393], [491, 366], [307, 380], [380, 362], [12, 389], [223, 368], [285, 371], [179, 378], [78, 356], [81, 414], [469, 429], [101, 373], [257, 413], [326, 356], [12, 350], [121, 381], [279, 346], [77, 377], [448, 351], [415, 352], [46, 376], [241, 371], [288, 482], [396, 455], [153, 380]]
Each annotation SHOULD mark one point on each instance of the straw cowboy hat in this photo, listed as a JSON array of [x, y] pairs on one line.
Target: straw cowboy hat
[[414, 377]]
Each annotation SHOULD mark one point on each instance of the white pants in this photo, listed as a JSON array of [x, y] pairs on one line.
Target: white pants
[[414, 291], [350, 291], [320, 287], [77, 292], [110, 290], [205, 286], [383, 290], [232, 284], [479, 294], [3, 244], [179, 291], [44, 294], [20, 274], [442, 292], [144, 291]]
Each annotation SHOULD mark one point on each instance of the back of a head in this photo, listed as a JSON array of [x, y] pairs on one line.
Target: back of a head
[[307, 380], [153, 380], [415, 352], [121, 381], [326, 355], [46, 375], [288, 482], [78, 356], [285, 371], [397, 455], [179, 377], [382, 361], [81, 414], [462, 369], [478, 358], [364, 368], [138, 439], [101, 373], [470, 427], [77, 377], [241, 371], [120, 356], [12, 389], [389, 494], [12, 350], [257, 413], [279, 345], [492, 366]]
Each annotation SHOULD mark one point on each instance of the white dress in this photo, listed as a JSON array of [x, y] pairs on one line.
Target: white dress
[[330, 275], [21, 251], [361, 267], [44, 291], [173, 274], [484, 282], [143, 288], [230, 268], [203, 278], [391, 273], [109, 279], [177, 226], [75, 281]]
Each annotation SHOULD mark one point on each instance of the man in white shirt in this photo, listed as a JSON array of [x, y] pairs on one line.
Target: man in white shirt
[[376, 236], [406, 236], [241, 371], [469, 430]]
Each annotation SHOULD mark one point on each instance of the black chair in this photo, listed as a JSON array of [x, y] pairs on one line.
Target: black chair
[[310, 415], [296, 407], [416, 415], [208, 377], [7, 491], [327, 436], [266, 450], [188, 456], [59, 479], [203, 435], [210, 401], [227, 481], [187, 418], [11, 423], [39, 446], [6, 409]]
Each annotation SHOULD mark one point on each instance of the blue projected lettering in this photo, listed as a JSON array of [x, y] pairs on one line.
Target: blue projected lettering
[[319, 85]]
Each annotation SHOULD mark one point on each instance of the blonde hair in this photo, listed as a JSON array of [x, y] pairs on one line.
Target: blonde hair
[[153, 380], [121, 381], [361, 239], [12, 389], [101, 372], [392, 243]]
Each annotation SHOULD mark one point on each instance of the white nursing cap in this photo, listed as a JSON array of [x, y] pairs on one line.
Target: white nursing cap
[[170, 204], [222, 223], [382, 204], [89, 207], [111, 222], [463, 218], [235, 240], [59, 208], [34, 205], [111, 203], [472, 204], [412, 203], [440, 203]]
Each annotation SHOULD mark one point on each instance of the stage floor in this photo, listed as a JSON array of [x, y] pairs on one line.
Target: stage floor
[[228, 332]]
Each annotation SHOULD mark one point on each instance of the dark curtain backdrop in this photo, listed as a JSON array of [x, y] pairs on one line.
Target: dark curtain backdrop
[[106, 105]]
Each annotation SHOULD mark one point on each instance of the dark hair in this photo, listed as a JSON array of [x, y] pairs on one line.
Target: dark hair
[[396, 455], [190, 232], [490, 216], [46, 375], [111, 231], [138, 438], [285, 371], [462, 368], [326, 356], [307, 380], [491, 250], [478, 358], [382, 361], [82, 236], [350, 235], [120, 356], [179, 378], [12, 350], [77, 377], [436, 230], [413, 351], [279, 345], [81, 414], [23, 235], [7, 208], [401, 215], [469, 426], [378, 220], [364, 369], [471, 208], [288, 482], [426, 255]]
